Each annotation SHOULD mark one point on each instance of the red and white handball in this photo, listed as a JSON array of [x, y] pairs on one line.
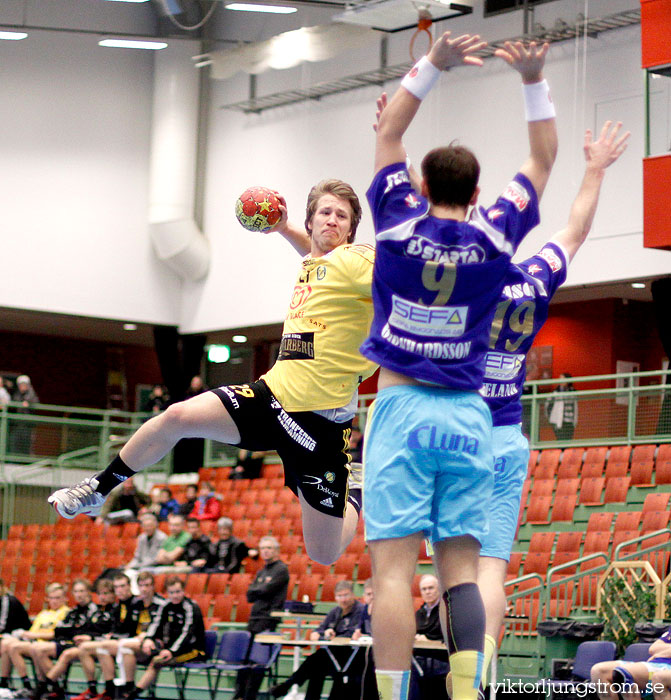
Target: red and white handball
[[258, 209]]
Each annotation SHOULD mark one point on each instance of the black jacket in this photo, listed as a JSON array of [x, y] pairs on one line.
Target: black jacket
[[227, 555], [13, 615], [267, 592], [179, 628]]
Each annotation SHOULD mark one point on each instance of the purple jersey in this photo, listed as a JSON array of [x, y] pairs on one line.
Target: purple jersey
[[520, 314], [436, 282]]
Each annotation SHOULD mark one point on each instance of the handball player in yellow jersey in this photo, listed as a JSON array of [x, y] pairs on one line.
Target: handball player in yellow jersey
[[303, 407]]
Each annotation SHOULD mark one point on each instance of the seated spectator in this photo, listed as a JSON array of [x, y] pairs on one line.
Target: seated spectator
[[173, 545], [157, 401], [341, 621], [176, 635], [13, 615], [248, 465], [42, 629], [207, 506], [5, 398], [228, 552], [431, 684], [196, 387], [131, 619], [123, 504], [96, 627], [154, 506], [191, 493], [148, 543], [169, 505], [267, 592], [197, 550], [655, 670], [76, 623]]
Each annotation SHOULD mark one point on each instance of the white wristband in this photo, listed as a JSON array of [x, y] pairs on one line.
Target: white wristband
[[421, 78], [538, 103]]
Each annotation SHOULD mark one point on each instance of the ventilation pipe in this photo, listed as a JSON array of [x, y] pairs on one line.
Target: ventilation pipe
[[176, 237]]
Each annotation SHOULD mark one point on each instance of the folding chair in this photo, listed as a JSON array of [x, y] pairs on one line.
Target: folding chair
[[182, 671], [587, 654], [638, 651], [231, 655]]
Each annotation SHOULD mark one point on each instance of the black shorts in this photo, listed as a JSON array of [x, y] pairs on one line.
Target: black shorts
[[62, 645], [314, 450]]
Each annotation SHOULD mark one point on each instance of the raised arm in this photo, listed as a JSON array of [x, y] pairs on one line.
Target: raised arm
[[399, 113], [599, 155], [529, 62], [295, 235]]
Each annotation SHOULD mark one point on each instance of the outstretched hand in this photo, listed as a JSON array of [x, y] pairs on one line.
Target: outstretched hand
[[381, 104], [528, 61], [447, 53], [607, 148]]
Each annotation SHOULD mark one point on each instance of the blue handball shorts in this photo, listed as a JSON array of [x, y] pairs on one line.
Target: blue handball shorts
[[511, 460], [428, 464]]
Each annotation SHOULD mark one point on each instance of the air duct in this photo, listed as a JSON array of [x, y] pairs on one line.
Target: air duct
[[176, 237]]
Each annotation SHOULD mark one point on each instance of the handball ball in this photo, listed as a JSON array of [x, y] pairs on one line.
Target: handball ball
[[258, 209]]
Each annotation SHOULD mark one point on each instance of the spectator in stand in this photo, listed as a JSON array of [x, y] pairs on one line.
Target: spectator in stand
[[76, 623], [169, 505], [187, 507], [434, 669], [173, 546], [42, 629], [248, 465], [148, 543], [197, 550], [196, 387], [267, 592], [131, 619], [5, 398], [123, 504], [13, 615], [157, 401], [563, 412], [341, 621], [154, 506], [21, 434], [175, 636], [97, 626], [207, 506], [228, 552]]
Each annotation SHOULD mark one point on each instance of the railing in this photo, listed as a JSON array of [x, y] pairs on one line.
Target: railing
[[611, 409]]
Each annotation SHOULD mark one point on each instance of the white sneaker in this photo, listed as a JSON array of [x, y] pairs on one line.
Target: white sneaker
[[81, 498]]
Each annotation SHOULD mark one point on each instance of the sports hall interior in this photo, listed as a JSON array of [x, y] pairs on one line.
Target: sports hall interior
[[98, 303]]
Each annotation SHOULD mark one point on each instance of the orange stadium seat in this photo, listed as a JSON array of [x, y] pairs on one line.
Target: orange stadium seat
[[542, 487], [595, 455], [328, 586], [560, 558], [542, 542], [599, 522], [538, 511], [545, 471], [203, 601], [514, 564], [621, 454], [549, 458], [363, 569], [533, 459], [628, 520], [616, 489], [569, 542], [568, 487], [239, 584], [622, 536], [345, 565], [563, 509], [223, 607], [654, 520], [593, 470], [308, 586], [591, 491], [242, 609], [195, 584], [598, 541], [656, 501], [217, 583]]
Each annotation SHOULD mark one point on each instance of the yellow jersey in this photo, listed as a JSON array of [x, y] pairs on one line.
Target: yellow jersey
[[48, 619], [319, 365]]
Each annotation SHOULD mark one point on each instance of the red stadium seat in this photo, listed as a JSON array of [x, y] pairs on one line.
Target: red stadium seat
[[364, 570], [563, 509], [568, 487], [569, 542], [616, 489], [514, 564], [542, 542], [533, 459], [538, 511], [542, 487], [549, 458], [628, 520], [195, 584], [598, 541], [545, 471], [599, 522], [654, 520], [591, 491], [217, 584], [656, 501], [308, 586], [595, 455], [622, 536], [536, 563]]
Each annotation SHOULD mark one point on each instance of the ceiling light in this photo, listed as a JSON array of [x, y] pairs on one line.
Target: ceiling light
[[246, 7], [239, 338], [132, 44], [218, 353], [638, 285], [129, 326], [13, 36]]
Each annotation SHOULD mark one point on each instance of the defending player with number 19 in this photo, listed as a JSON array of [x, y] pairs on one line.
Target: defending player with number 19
[[303, 407], [520, 314], [436, 283]]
